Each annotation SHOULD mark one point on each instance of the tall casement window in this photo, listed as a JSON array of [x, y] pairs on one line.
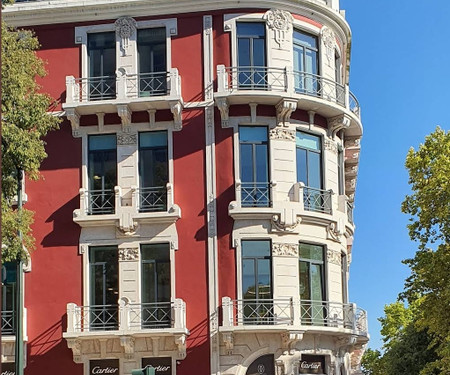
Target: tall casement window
[[251, 45], [151, 46], [104, 288], [102, 65], [312, 286], [257, 281], [306, 63], [102, 173], [254, 168], [153, 171], [9, 272], [155, 273]]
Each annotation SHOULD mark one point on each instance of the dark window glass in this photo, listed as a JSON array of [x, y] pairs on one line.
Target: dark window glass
[[309, 160], [306, 63], [256, 270], [264, 365]]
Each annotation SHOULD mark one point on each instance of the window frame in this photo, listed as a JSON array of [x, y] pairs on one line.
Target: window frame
[[324, 263], [322, 155]]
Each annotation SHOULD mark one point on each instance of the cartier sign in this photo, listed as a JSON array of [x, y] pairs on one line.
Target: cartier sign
[[104, 367], [162, 365], [312, 364], [8, 368]]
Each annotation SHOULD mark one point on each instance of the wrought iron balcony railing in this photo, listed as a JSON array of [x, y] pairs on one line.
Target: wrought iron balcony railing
[[8, 322], [147, 84], [101, 202], [293, 312], [256, 78], [152, 199], [126, 316], [317, 200], [95, 88], [255, 194], [315, 85]]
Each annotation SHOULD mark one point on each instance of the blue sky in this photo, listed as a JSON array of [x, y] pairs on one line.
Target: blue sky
[[399, 73]]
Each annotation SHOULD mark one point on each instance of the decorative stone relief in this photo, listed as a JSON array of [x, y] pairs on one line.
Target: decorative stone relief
[[329, 41], [125, 28], [334, 257], [285, 249], [176, 108], [180, 341], [125, 139], [331, 146], [282, 134], [75, 345], [124, 113], [74, 118], [228, 340], [222, 104], [128, 344], [284, 110], [353, 143], [128, 254], [278, 225], [280, 21], [338, 123], [289, 339]]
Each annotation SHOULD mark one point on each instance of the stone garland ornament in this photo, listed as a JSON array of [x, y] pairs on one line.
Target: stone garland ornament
[[334, 257], [125, 28], [280, 21]]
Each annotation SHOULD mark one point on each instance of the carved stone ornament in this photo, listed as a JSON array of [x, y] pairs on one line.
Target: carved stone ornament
[[282, 134], [331, 146], [280, 21], [125, 28], [222, 104], [334, 232], [334, 257], [285, 249], [284, 109], [75, 345], [329, 41], [126, 139], [128, 254], [228, 340], [127, 343], [338, 123], [278, 225]]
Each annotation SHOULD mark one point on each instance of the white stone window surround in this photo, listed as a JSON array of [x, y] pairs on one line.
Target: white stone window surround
[[81, 37], [85, 249]]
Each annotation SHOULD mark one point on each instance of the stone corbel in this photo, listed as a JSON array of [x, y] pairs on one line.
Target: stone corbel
[[222, 104], [127, 226], [75, 345], [285, 221], [289, 339], [124, 113], [335, 230], [127, 343], [228, 340], [74, 118], [176, 108], [284, 108], [338, 123], [180, 341]]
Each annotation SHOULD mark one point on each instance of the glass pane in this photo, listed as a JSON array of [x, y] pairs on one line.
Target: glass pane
[[304, 281], [314, 170], [152, 50], [262, 168], [305, 39], [255, 249], [244, 53], [102, 54], [246, 157], [302, 175], [313, 252], [253, 134], [264, 279], [311, 62], [104, 275], [259, 53], [102, 142], [298, 58], [148, 283], [308, 141], [155, 273], [250, 29], [248, 279], [316, 282]]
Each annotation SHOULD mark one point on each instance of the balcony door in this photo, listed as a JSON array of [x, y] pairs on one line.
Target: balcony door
[[9, 272], [102, 65], [104, 288], [306, 63], [153, 171], [254, 166], [156, 286], [151, 45], [257, 282], [251, 45], [102, 173]]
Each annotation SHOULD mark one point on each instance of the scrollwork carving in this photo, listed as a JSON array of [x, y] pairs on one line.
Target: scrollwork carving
[[278, 225], [125, 28], [285, 249], [125, 139], [334, 257], [280, 21]]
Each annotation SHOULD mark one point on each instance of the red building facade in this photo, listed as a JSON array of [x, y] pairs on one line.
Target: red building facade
[[195, 209]]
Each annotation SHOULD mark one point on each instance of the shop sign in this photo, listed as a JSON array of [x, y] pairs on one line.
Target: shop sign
[[312, 364], [8, 368], [262, 366], [104, 367], [162, 365]]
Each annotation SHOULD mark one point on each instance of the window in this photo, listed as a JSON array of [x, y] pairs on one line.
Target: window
[[151, 46], [254, 168], [102, 173], [9, 272], [153, 171], [155, 273], [341, 177], [104, 288], [257, 282], [102, 65], [306, 63], [251, 44], [312, 289]]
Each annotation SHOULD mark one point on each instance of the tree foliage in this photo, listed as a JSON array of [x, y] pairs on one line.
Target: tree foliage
[[25, 121]]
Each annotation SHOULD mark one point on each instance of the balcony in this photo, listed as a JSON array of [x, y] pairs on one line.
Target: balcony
[[123, 94], [8, 323], [9, 332], [125, 207], [317, 200], [126, 322], [272, 86], [255, 194], [278, 315]]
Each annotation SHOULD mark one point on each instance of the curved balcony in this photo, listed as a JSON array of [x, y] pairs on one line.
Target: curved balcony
[[270, 85], [269, 315]]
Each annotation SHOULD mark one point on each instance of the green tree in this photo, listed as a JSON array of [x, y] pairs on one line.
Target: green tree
[[25, 121]]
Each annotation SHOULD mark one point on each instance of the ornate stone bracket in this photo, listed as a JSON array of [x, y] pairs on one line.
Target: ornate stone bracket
[[222, 104], [335, 230], [127, 226], [176, 108], [289, 339], [127, 343], [74, 118], [180, 341], [280, 21], [124, 113], [281, 223], [284, 108], [338, 123], [228, 340], [75, 345], [125, 29]]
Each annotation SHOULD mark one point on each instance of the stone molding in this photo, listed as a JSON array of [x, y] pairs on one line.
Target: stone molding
[[280, 21], [285, 249], [282, 134]]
